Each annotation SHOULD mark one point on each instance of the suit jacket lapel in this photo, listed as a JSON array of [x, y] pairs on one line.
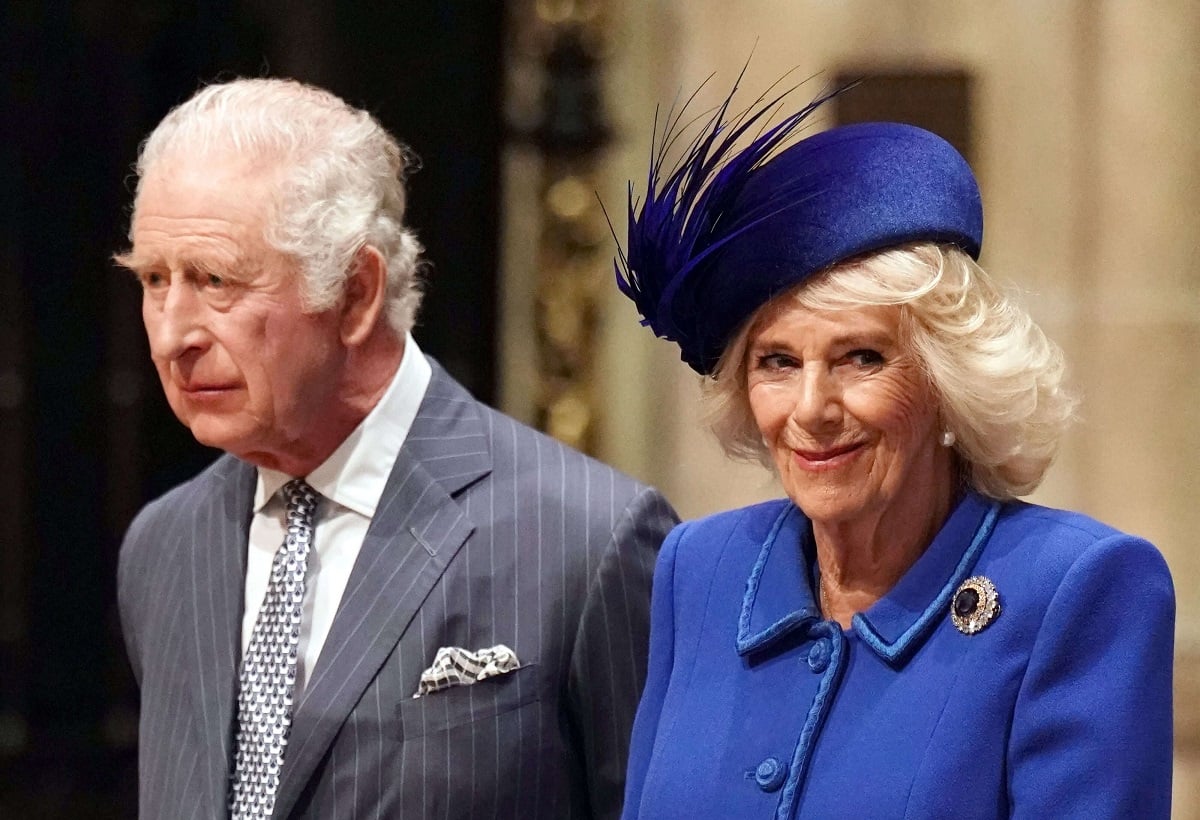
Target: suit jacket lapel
[[417, 530], [215, 580]]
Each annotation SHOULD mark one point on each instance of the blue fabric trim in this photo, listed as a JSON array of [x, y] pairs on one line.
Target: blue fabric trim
[[897, 652], [816, 716], [747, 642]]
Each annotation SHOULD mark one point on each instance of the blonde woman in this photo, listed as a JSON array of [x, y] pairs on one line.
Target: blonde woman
[[900, 636]]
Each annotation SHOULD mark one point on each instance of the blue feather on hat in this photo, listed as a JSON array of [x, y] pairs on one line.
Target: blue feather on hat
[[730, 228], [681, 220]]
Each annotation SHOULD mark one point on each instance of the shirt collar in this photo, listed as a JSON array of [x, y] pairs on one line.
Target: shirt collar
[[355, 474], [779, 593]]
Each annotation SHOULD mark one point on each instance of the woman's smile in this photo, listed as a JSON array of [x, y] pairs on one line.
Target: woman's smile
[[827, 459]]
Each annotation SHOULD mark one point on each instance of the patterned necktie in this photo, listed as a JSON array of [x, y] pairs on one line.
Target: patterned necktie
[[268, 676]]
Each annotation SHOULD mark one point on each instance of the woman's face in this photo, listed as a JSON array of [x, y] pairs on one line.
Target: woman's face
[[845, 410]]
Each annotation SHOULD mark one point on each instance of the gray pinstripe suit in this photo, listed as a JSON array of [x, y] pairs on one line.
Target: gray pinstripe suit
[[487, 533]]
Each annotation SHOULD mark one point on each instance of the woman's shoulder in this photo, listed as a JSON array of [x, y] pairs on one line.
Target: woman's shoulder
[[705, 564], [738, 534], [1035, 515], [1050, 547], [1056, 531], [754, 522]]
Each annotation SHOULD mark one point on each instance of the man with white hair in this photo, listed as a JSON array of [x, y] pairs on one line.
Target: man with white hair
[[385, 599]]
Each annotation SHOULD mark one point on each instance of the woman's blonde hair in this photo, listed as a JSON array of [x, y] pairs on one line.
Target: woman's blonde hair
[[998, 378]]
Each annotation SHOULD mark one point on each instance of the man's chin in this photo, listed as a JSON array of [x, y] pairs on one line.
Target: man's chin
[[220, 436]]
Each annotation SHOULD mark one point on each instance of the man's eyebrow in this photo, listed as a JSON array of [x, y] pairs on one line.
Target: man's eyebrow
[[130, 261], [137, 265]]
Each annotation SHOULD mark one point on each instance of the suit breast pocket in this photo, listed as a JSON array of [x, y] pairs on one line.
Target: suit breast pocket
[[460, 705]]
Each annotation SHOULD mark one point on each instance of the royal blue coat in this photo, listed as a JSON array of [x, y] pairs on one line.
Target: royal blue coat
[[757, 708]]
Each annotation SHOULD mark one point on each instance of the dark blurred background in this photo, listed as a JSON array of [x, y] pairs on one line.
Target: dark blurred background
[[85, 435]]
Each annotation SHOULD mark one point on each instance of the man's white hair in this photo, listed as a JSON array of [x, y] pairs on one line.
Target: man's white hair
[[338, 180]]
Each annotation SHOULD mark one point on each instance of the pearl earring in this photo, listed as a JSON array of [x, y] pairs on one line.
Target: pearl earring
[[948, 438]]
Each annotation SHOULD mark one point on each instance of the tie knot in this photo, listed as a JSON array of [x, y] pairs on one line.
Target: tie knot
[[301, 500]]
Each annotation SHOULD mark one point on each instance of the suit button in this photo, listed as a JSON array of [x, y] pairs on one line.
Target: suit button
[[818, 656], [770, 774]]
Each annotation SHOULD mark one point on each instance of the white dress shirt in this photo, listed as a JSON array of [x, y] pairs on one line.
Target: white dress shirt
[[350, 483]]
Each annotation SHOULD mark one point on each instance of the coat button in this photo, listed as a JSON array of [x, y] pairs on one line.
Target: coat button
[[818, 656], [770, 774]]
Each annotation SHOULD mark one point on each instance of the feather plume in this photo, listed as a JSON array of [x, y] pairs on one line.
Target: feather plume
[[688, 215]]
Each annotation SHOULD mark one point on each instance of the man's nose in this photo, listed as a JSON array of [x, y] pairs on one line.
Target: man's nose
[[174, 321]]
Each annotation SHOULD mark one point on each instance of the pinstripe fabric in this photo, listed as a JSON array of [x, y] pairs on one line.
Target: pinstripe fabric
[[487, 533]]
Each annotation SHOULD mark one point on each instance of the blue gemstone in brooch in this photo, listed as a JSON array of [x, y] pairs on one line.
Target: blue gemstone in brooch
[[975, 605]]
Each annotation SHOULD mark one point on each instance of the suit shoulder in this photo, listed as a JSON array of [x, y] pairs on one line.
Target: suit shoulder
[[519, 453], [175, 500], [548, 460], [187, 486], [589, 502], [159, 532]]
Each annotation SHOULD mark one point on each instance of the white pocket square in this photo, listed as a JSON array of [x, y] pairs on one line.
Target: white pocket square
[[455, 666]]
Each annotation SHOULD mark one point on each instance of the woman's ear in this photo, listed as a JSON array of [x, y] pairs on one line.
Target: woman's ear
[[365, 296]]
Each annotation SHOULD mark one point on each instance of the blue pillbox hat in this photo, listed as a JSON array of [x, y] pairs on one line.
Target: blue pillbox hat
[[728, 231]]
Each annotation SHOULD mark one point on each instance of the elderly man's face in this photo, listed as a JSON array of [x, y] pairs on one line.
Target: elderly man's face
[[845, 410], [242, 364]]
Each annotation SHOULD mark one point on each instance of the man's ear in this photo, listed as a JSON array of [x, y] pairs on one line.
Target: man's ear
[[365, 297]]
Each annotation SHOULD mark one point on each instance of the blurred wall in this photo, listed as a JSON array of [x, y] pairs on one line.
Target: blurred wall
[[1086, 141]]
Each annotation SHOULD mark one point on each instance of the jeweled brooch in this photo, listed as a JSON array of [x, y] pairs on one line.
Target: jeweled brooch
[[975, 605]]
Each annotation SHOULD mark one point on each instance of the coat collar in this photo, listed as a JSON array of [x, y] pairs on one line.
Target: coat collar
[[779, 592]]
